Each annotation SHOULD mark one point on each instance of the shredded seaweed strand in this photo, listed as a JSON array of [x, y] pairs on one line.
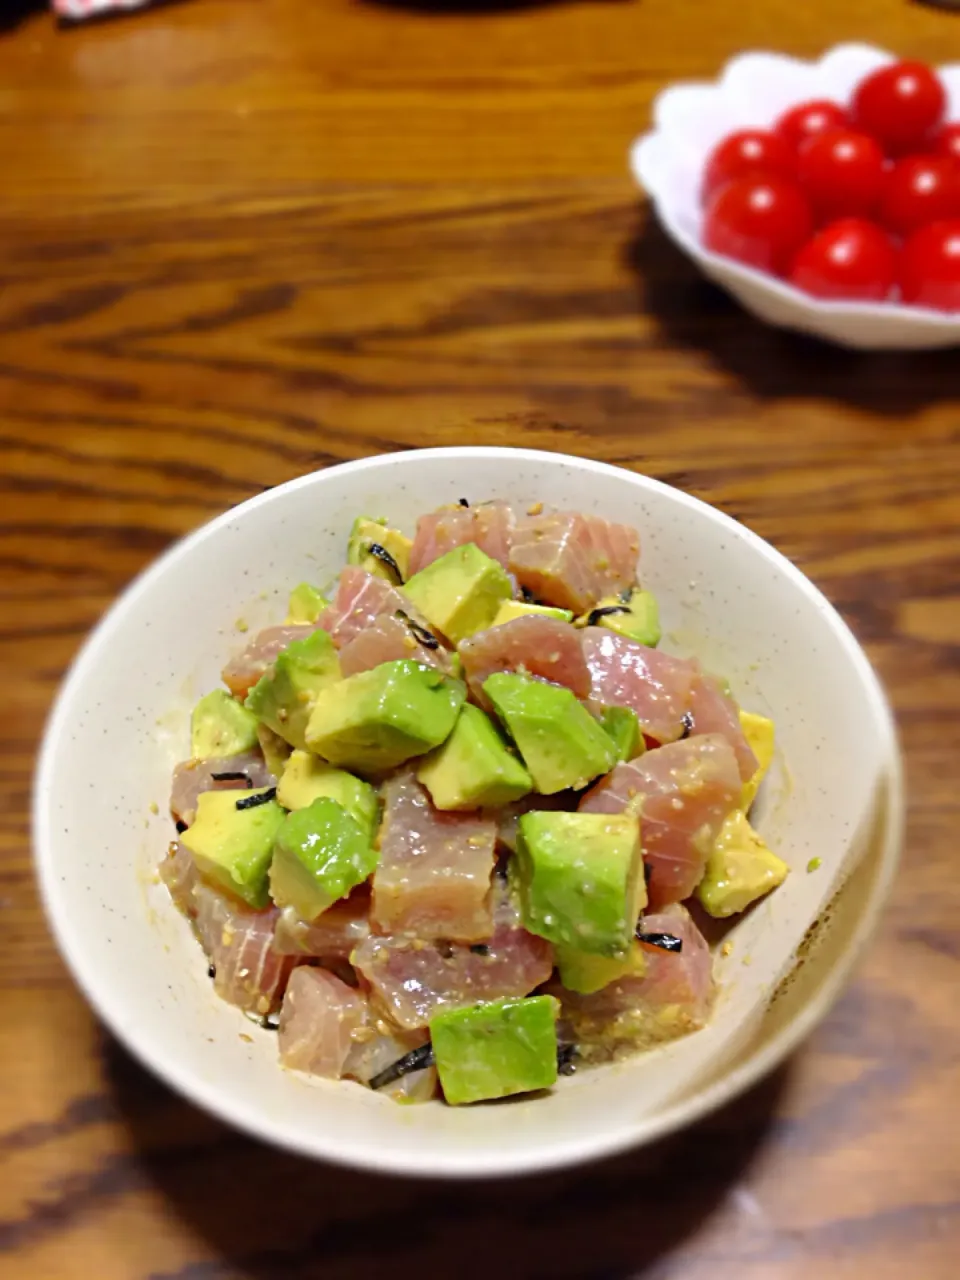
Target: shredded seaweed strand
[[421, 634], [384, 556], [251, 802], [416, 1060], [567, 1055], [605, 611], [662, 941], [231, 775]]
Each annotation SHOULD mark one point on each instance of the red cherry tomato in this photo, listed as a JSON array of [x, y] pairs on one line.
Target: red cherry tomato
[[762, 221], [749, 152], [918, 190], [851, 259], [901, 105], [842, 172], [930, 267], [947, 142], [808, 119]]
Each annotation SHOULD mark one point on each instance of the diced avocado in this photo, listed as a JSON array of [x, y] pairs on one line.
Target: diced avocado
[[585, 973], [561, 743], [758, 731], [377, 719], [460, 592], [319, 856], [740, 869], [474, 768], [622, 725], [367, 533], [306, 603], [511, 609], [275, 750], [306, 778], [580, 878], [283, 698], [635, 615], [497, 1049], [232, 846], [221, 726]]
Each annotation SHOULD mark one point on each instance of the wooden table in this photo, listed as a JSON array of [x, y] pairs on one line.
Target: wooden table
[[245, 238]]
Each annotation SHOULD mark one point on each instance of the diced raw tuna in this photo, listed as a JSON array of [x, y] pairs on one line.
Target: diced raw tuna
[[361, 599], [332, 935], [413, 980], [489, 525], [543, 647], [244, 669], [433, 878], [573, 560], [193, 777], [369, 1056], [239, 945], [683, 793], [318, 1020], [672, 998], [652, 683], [388, 639], [178, 871], [714, 712]]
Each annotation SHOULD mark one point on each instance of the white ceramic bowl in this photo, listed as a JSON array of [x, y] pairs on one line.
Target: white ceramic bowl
[[752, 91], [121, 722]]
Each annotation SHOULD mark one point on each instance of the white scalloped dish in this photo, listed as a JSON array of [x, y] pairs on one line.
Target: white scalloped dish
[[753, 91]]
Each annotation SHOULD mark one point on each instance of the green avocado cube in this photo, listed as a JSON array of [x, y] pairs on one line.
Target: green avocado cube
[[276, 752], [580, 878], [284, 696], [367, 533], [511, 609], [319, 856], [232, 846], [759, 733], [378, 719], [221, 726], [306, 603], [494, 1050], [636, 616], [622, 725], [460, 592], [740, 869], [475, 768], [585, 973], [561, 743], [306, 778]]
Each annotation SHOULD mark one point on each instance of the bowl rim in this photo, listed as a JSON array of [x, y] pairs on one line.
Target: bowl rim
[[937, 322], [458, 1164]]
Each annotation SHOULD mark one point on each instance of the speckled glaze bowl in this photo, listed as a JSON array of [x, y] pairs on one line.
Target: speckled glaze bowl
[[121, 722]]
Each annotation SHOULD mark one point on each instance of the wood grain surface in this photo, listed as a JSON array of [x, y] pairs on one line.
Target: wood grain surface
[[241, 239]]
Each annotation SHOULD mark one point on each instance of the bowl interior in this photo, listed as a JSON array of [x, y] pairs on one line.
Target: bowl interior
[[122, 722]]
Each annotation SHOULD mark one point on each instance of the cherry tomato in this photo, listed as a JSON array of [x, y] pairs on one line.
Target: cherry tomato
[[901, 105], [947, 142], [930, 267], [852, 259], [808, 119], [842, 172], [762, 221], [749, 152], [918, 190]]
